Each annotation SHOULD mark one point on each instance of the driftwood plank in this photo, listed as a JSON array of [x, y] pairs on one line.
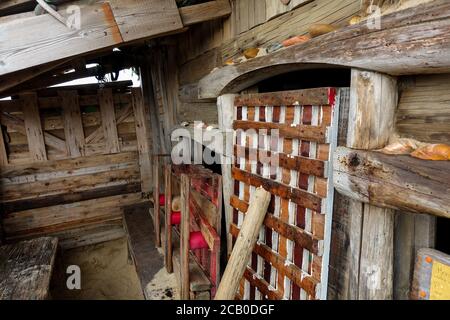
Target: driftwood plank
[[109, 123], [73, 125], [33, 127], [26, 268]]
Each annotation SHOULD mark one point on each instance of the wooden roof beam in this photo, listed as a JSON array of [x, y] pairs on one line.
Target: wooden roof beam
[[204, 12], [37, 40]]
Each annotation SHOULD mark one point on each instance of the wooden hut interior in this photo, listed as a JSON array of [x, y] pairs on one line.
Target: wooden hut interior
[[225, 149]]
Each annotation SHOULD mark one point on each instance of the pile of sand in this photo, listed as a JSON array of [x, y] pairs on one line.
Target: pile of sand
[[106, 273]]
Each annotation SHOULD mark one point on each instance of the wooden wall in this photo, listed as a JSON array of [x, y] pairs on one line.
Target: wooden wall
[[424, 108], [253, 23], [72, 159]]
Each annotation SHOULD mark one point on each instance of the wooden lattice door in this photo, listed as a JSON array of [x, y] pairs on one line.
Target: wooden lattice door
[[290, 259]]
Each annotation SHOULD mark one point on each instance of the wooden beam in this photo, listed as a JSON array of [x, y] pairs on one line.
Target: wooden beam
[[33, 127], [43, 39], [415, 41], [109, 124], [184, 238], [50, 78], [143, 19], [299, 131], [244, 245], [373, 101], [73, 125], [141, 120], [397, 182], [225, 105], [17, 78], [303, 198], [202, 12]]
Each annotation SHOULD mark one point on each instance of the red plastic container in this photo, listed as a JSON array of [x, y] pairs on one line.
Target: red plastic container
[[197, 241], [175, 218], [162, 200]]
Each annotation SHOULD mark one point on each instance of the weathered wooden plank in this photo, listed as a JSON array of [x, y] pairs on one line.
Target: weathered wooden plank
[[398, 182], [42, 38], [428, 124], [48, 169], [424, 26], [142, 134], [90, 235], [66, 216], [19, 126], [103, 25], [109, 123], [300, 197], [262, 285], [412, 232], [26, 269], [374, 112], [65, 198], [315, 97], [73, 125], [139, 228], [54, 102], [204, 12], [302, 132], [29, 190], [301, 164], [299, 236], [138, 19], [244, 244], [33, 127], [184, 238], [298, 276], [99, 133]]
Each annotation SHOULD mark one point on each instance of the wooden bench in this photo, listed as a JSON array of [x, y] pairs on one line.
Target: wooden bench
[[26, 268]]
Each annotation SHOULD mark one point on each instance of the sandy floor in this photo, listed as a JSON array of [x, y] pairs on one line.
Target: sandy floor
[[105, 273], [108, 274], [163, 286]]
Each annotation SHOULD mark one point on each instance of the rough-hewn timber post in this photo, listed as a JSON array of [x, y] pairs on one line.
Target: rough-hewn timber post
[[373, 101], [225, 106]]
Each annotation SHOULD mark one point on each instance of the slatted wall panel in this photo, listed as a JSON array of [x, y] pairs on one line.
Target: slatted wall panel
[[73, 157], [290, 260]]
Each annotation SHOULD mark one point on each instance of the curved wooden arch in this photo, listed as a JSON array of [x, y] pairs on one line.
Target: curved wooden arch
[[413, 41]]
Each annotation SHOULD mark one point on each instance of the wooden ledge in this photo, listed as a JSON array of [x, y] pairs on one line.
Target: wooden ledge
[[399, 182], [412, 41]]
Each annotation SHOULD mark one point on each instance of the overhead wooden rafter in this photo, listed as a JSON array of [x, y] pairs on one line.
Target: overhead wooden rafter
[[32, 41], [411, 41]]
